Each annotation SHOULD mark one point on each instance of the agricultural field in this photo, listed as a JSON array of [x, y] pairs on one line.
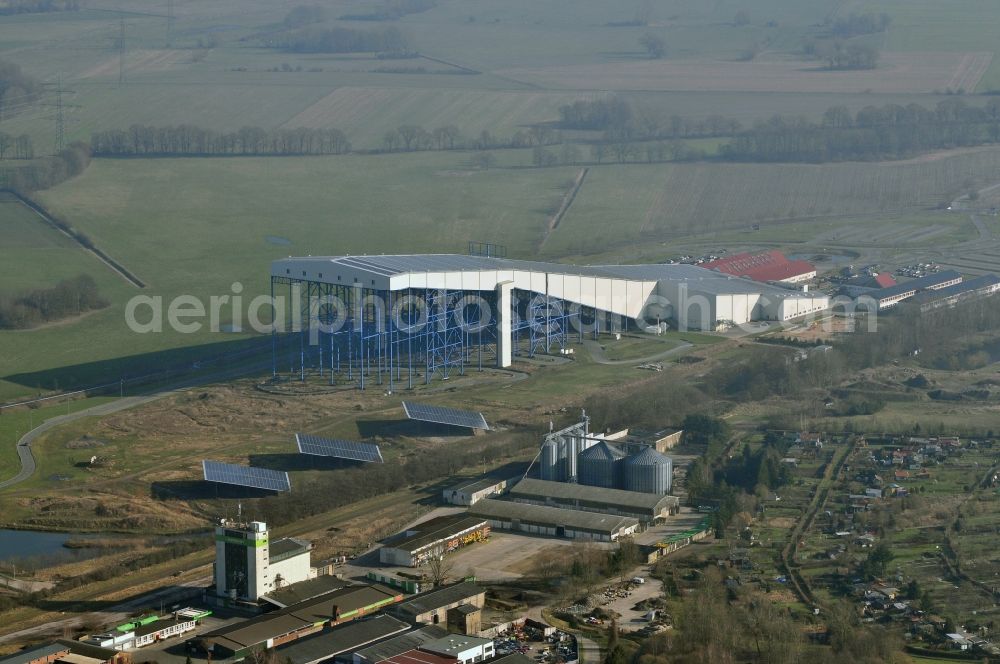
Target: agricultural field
[[35, 255], [666, 202], [898, 73]]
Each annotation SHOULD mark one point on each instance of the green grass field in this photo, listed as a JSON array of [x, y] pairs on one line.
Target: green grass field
[[667, 201]]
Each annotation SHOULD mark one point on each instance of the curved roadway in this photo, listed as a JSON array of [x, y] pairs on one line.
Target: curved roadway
[[24, 444], [598, 355]]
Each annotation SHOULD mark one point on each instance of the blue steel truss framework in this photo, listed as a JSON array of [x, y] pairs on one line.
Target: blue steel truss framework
[[395, 338]]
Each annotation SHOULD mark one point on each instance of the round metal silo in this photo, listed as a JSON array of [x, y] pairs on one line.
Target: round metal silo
[[648, 471], [598, 465], [549, 463]]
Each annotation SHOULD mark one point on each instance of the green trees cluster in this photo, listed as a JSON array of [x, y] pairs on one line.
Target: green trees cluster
[[38, 6], [345, 486], [16, 147], [17, 90], [855, 25], [392, 10], [69, 297], [302, 15], [888, 132], [191, 140], [47, 172], [340, 40]]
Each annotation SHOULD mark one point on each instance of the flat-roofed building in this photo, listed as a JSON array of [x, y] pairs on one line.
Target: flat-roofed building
[[328, 644], [383, 650], [464, 648], [472, 491], [296, 621], [554, 521], [47, 653], [162, 629], [433, 539], [646, 507], [431, 608], [420, 657]]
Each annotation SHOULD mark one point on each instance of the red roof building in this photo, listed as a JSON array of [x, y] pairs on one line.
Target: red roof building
[[768, 266], [419, 657], [884, 280]]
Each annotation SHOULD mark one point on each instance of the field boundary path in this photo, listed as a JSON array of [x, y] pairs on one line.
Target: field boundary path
[[567, 201], [598, 355], [84, 243]]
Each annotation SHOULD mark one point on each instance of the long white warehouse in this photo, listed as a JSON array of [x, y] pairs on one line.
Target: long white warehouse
[[686, 296]]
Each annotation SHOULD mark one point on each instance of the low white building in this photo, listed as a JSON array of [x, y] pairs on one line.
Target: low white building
[[465, 649], [472, 491]]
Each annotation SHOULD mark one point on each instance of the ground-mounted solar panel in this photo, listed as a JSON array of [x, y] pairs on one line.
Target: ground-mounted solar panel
[[246, 476], [442, 415], [338, 449]]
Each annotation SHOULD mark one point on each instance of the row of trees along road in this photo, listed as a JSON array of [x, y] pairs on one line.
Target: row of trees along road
[[888, 132], [191, 140]]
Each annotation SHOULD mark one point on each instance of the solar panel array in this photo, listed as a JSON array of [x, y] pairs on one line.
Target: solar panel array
[[442, 415], [248, 476], [340, 449]]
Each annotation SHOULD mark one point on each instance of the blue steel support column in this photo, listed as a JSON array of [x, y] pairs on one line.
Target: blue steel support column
[[274, 335]]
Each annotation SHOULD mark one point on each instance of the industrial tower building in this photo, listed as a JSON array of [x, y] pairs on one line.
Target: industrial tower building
[[248, 565]]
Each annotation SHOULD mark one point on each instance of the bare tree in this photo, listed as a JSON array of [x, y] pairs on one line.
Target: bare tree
[[439, 567], [654, 45]]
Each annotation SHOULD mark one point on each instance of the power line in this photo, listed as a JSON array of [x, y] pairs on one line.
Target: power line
[[60, 118], [170, 22], [121, 52]]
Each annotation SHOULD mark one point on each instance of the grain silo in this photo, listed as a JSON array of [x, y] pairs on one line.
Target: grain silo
[[598, 465], [647, 472], [549, 466]]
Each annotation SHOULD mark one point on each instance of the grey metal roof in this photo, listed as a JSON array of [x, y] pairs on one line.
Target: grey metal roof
[[602, 451], [287, 547], [389, 265], [453, 644], [304, 591], [928, 281], [532, 488], [38, 652], [701, 279], [477, 484], [440, 597], [647, 457], [969, 286], [434, 530], [349, 637], [552, 516], [402, 643]]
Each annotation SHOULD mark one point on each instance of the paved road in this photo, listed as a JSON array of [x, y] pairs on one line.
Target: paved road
[[24, 444], [24, 586], [114, 614]]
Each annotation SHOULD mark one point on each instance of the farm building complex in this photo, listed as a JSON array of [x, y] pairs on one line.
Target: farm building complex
[[389, 318]]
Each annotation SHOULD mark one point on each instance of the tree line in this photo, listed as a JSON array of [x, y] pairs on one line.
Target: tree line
[[17, 89], [16, 147], [38, 6], [47, 172], [888, 132], [392, 10], [346, 486], [191, 140], [340, 40], [69, 297]]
